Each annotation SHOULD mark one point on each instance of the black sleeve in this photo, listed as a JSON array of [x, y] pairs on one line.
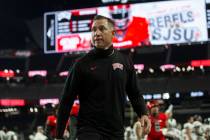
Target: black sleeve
[[133, 91], [67, 99]]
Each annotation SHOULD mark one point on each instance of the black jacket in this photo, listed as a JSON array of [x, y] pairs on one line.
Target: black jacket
[[100, 79]]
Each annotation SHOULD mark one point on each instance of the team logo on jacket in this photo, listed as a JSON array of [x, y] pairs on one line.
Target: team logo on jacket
[[117, 66]]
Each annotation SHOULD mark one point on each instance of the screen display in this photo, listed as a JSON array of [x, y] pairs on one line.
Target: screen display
[[139, 24], [208, 16]]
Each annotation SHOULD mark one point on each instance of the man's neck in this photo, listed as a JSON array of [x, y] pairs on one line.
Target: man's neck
[[106, 48], [104, 52]]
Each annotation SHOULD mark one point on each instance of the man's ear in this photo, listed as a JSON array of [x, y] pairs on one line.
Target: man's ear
[[113, 32]]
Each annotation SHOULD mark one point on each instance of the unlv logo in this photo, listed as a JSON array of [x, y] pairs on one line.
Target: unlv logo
[[117, 66]]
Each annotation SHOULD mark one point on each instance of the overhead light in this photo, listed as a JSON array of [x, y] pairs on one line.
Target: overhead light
[[12, 102], [147, 97], [132, 50], [64, 73], [35, 109], [196, 94], [139, 71], [178, 69], [6, 71], [47, 101], [139, 66], [157, 96], [151, 70], [31, 109], [167, 67], [166, 96], [33, 73], [17, 71], [198, 63], [163, 69], [177, 95], [189, 68]]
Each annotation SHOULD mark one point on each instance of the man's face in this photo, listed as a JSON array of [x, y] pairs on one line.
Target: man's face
[[102, 33], [155, 110]]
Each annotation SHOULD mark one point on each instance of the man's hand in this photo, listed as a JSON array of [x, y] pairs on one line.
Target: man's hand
[[145, 123]]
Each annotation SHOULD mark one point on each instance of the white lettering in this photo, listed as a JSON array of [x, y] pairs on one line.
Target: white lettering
[[111, 1], [64, 15]]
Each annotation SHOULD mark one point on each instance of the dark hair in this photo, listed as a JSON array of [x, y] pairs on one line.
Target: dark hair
[[110, 21]]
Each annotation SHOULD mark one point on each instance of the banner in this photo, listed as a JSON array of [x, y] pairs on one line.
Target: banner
[[175, 21]]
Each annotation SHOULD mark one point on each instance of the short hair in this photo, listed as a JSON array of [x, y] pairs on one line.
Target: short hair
[[99, 17]]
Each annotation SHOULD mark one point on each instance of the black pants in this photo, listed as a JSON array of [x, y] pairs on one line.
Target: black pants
[[96, 136]]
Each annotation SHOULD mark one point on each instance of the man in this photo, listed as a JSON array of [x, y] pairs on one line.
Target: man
[[3, 132], [158, 121], [50, 126], [40, 134], [100, 79]]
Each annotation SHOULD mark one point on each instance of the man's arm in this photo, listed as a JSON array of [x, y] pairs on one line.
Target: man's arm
[[137, 99], [67, 100], [133, 92]]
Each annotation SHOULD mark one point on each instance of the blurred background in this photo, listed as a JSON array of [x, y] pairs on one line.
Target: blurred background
[[168, 41]]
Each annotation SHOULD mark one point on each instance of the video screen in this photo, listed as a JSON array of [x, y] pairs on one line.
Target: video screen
[[139, 24], [208, 16]]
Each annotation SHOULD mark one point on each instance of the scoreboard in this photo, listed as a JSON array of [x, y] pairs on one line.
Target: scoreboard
[[137, 25], [68, 30]]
